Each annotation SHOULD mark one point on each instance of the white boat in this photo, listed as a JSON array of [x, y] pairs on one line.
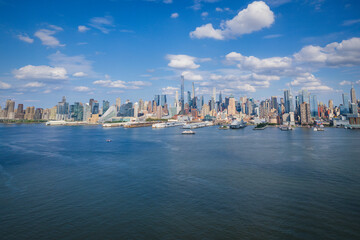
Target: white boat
[[188, 132], [286, 128], [237, 124], [318, 129]]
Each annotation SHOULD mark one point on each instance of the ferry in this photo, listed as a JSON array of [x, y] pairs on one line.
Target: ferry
[[237, 124], [286, 128], [188, 132]]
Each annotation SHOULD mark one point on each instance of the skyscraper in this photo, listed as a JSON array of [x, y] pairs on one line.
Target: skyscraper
[[288, 100], [313, 106], [163, 100], [106, 105], [231, 107], [118, 104], [352, 94], [193, 91], [305, 117], [274, 104]]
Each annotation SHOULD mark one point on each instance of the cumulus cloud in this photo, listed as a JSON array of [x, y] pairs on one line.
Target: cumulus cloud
[[40, 72], [4, 85], [309, 82], [25, 38], [79, 74], [174, 15], [188, 75], [204, 14], [182, 61], [34, 84], [169, 90], [83, 28], [255, 64], [255, 17], [47, 38], [121, 84], [104, 24], [82, 89], [345, 53]]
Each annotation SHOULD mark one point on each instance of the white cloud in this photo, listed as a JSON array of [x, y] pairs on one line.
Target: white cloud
[[40, 72], [192, 76], [345, 83], [122, 84], [182, 61], [255, 64], [79, 74], [4, 85], [310, 82], [204, 14], [174, 15], [351, 22], [207, 31], [273, 36], [169, 90], [255, 17], [167, 1], [34, 84], [76, 65], [83, 28], [104, 24], [82, 89], [25, 38], [47, 38], [345, 53]]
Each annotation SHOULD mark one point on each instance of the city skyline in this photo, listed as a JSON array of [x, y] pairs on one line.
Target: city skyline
[[251, 48]]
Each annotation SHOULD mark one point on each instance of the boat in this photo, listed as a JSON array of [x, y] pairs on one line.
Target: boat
[[108, 140], [237, 124], [188, 132], [286, 128], [318, 129], [224, 127]]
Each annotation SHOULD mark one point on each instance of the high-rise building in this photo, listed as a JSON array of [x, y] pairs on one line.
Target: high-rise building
[[305, 117], [193, 91], [274, 103], [136, 110], [163, 100], [313, 106], [182, 94], [231, 107], [331, 104], [106, 105], [352, 95], [62, 110], [20, 112], [288, 100], [10, 109], [118, 103]]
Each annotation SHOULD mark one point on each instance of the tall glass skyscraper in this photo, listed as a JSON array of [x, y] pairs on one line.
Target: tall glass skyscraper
[[182, 94], [289, 103], [313, 106]]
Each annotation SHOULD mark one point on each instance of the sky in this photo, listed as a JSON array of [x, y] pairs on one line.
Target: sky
[[134, 49]]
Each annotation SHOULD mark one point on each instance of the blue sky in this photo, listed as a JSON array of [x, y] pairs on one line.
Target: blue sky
[[135, 48]]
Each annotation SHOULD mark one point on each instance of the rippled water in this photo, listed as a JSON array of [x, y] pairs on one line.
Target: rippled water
[[69, 183]]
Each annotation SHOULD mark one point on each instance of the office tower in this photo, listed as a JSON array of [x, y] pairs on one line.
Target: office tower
[[118, 103], [106, 105], [305, 117], [77, 111], [182, 94], [220, 97], [313, 106], [212, 101], [274, 103], [20, 112], [231, 107], [157, 100], [202, 101], [29, 113], [189, 98], [10, 109], [87, 112], [331, 104], [95, 107], [38, 114], [127, 110], [136, 110], [346, 102], [141, 105], [288, 100], [163, 100], [62, 110], [352, 94], [353, 108]]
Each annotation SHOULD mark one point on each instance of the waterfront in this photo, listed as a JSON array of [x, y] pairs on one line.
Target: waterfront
[[69, 183]]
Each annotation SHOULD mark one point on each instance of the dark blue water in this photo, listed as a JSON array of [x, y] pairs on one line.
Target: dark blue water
[[69, 183]]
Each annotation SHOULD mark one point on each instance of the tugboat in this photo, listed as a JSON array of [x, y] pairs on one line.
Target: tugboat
[[237, 125], [188, 132]]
